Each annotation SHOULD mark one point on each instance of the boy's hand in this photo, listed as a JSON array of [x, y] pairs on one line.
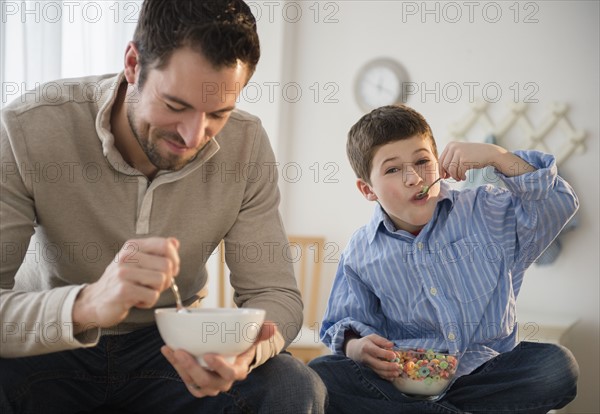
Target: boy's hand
[[460, 157], [375, 352]]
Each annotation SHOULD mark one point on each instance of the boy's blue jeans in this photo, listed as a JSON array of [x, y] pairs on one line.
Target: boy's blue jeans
[[532, 378], [127, 373]]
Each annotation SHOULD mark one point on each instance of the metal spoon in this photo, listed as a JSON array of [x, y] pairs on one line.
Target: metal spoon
[[426, 189], [178, 302]]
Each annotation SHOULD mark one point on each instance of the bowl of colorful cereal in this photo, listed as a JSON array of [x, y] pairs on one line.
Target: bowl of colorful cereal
[[424, 372]]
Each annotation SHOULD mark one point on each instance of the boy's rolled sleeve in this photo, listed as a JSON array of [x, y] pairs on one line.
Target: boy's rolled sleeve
[[352, 307], [536, 185], [335, 336], [542, 203]]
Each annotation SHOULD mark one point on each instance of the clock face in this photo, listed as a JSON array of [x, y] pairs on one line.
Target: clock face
[[379, 83]]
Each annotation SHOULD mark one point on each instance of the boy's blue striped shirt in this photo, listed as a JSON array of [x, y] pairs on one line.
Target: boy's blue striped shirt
[[454, 285]]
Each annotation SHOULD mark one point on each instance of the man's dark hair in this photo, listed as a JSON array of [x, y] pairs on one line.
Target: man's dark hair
[[224, 31]]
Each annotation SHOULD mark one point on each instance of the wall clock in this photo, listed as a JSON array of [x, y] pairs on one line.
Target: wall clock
[[380, 82]]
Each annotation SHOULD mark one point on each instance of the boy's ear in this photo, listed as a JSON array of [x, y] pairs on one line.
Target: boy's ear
[[366, 190]]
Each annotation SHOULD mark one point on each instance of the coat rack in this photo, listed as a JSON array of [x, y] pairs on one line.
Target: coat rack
[[534, 137]]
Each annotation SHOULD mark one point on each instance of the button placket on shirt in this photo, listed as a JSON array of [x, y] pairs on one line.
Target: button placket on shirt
[[424, 258], [427, 258]]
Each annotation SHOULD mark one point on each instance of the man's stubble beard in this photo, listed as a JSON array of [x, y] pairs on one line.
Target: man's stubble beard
[[150, 147]]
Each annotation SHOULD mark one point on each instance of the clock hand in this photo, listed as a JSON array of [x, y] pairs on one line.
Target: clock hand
[[379, 87]]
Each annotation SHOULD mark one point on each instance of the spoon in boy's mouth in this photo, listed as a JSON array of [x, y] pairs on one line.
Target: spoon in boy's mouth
[[426, 189]]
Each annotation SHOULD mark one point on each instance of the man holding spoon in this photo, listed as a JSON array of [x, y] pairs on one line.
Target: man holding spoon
[[85, 261]]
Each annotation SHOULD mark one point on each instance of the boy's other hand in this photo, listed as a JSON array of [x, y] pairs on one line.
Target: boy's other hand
[[375, 352]]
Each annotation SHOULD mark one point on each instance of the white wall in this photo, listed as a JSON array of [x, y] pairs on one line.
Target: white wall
[[557, 50]]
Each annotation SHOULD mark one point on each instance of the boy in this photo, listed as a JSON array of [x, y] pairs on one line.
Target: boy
[[442, 272]]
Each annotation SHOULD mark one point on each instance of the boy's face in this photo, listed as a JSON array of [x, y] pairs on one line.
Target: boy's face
[[400, 170]]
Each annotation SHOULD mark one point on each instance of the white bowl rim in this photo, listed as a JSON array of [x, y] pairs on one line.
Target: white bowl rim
[[212, 311]]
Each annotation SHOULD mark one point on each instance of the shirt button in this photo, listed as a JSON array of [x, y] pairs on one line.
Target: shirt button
[[420, 246], [433, 291], [451, 336]]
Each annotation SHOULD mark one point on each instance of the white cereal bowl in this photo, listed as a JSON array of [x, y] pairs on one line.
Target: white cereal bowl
[[224, 331]]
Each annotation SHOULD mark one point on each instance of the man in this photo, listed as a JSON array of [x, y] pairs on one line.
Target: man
[[122, 184]]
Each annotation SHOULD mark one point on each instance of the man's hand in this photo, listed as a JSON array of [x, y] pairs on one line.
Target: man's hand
[[220, 375], [375, 352], [139, 273]]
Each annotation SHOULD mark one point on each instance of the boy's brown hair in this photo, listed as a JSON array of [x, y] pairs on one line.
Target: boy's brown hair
[[379, 127]]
